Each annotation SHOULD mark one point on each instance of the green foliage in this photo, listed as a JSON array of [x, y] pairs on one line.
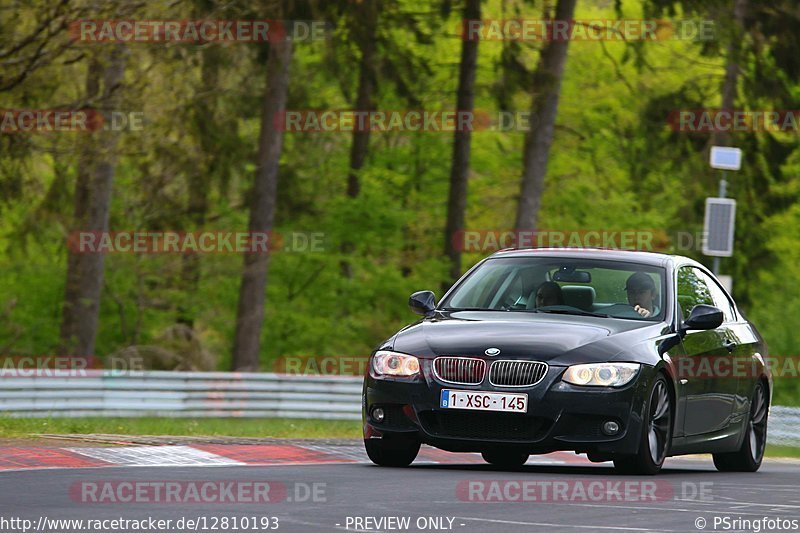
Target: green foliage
[[615, 165]]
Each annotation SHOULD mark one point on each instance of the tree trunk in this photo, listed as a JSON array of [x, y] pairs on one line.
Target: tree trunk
[[365, 27], [545, 91], [723, 137], [459, 170], [200, 182], [85, 271], [250, 313]]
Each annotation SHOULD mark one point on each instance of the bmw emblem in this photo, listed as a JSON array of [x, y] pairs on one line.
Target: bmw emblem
[[491, 352]]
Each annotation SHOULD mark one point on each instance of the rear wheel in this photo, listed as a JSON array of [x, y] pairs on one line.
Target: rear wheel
[[505, 459], [392, 450], [748, 458], [656, 435]]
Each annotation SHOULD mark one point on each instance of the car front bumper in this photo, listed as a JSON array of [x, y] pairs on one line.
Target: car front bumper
[[560, 416]]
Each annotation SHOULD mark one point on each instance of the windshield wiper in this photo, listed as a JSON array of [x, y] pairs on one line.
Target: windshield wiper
[[570, 312]]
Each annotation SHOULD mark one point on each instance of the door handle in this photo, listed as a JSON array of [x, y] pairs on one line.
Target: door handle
[[729, 345]]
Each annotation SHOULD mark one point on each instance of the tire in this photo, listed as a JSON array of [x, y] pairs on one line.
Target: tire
[[505, 459], [748, 458], [656, 434], [392, 450]]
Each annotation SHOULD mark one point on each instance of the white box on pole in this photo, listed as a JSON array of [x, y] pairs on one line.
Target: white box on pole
[[718, 226]]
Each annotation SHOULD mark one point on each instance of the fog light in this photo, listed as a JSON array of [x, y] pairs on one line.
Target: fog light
[[378, 414], [611, 428]]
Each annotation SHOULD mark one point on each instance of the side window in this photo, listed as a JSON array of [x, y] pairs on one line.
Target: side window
[[692, 290], [721, 300]]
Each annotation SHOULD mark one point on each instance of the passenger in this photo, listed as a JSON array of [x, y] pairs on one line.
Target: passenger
[[549, 293], [642, 294]]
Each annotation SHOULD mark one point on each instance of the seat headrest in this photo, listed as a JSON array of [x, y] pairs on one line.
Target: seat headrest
[[579, 296]]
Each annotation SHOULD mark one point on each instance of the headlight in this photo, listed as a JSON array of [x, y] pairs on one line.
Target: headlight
[[601, 374], [394, 364]]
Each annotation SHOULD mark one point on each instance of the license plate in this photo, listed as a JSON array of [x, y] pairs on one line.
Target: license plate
[[483, 401]]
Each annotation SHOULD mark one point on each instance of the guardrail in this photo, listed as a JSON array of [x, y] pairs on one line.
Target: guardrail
[[180, 394], [783, 427], [222, 394]]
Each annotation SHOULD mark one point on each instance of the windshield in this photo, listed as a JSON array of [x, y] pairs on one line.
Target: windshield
[[609, 289]]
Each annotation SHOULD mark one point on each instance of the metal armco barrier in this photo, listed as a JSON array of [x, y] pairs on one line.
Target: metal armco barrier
[[783, 427], [180, 394], [222, 394]]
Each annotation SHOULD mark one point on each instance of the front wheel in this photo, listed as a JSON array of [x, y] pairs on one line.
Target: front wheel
[[392, 450], [656, 435], [748, 458]]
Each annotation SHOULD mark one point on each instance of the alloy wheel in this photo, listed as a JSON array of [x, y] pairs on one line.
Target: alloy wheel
[[660, 422]]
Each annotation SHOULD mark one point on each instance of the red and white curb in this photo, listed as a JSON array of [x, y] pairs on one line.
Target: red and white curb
[[221, 455], [156, 456]]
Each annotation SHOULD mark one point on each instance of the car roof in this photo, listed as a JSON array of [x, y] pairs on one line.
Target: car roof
[[634, 256]]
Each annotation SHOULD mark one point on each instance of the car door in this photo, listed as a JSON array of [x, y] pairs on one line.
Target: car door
[[744, 344], [707, 382], [739, 343]]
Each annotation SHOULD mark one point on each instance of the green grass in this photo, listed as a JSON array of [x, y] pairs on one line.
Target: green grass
[[782, 451], [229, 427], [219, 427]]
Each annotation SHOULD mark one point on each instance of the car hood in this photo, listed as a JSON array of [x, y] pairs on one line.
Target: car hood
[[556, 339]]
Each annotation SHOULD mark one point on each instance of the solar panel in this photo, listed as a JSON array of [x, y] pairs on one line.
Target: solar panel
[[718, 227]]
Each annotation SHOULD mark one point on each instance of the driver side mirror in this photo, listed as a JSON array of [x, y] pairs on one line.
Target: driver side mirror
[[703, 317], [422, 302]]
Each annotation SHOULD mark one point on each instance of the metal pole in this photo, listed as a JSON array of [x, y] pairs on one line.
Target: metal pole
[[723, 190]]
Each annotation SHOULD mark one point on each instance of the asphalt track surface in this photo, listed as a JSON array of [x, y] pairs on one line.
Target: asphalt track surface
[[433, 496]]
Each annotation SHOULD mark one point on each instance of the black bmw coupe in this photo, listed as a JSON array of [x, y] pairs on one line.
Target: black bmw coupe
[[629, 357]]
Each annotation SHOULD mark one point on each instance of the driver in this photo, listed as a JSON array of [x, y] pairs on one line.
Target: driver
[[642, 294]]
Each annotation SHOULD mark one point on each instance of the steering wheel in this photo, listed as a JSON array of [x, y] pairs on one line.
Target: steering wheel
[[511, 303], [621, 311]]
